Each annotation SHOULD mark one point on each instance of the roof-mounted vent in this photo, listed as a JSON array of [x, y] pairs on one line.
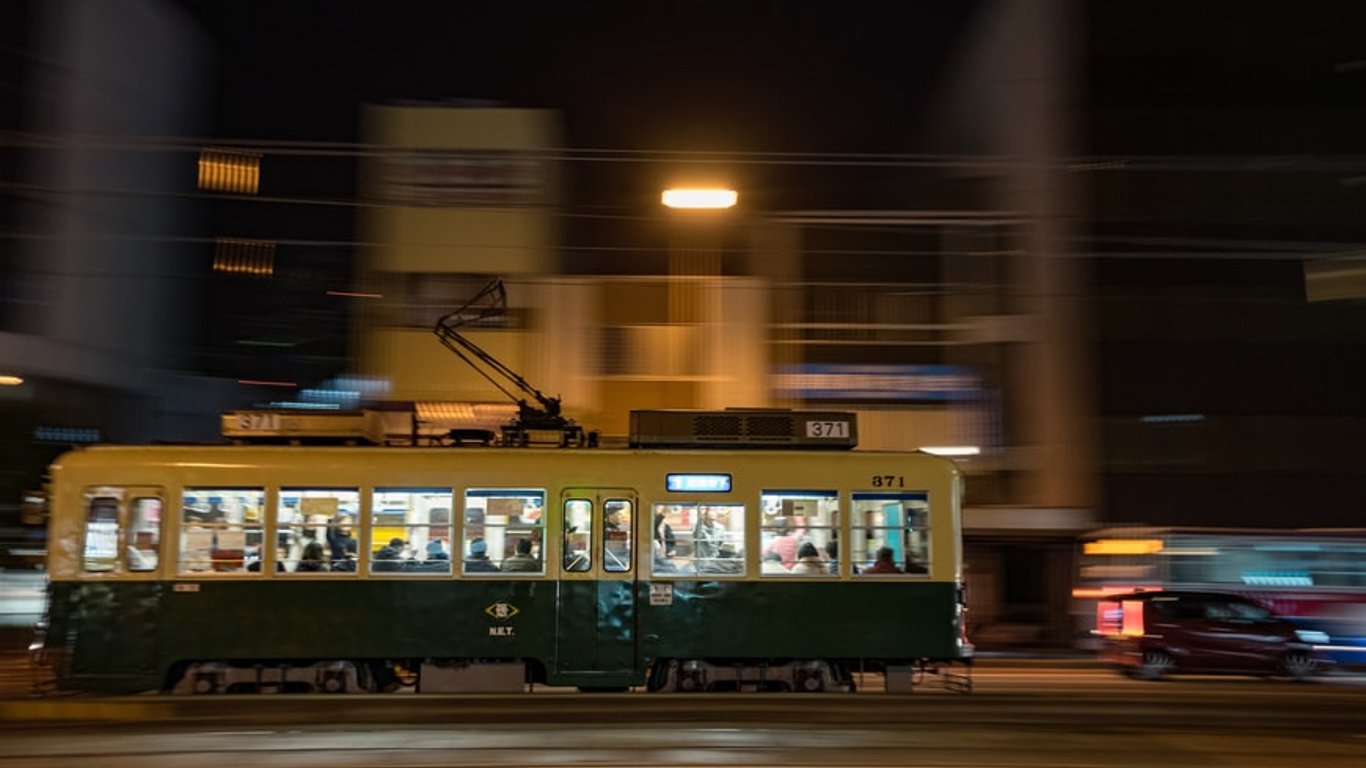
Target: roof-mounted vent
[[744, 428]]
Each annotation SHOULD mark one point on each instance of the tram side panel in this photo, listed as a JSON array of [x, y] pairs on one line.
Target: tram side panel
[[758, 620]]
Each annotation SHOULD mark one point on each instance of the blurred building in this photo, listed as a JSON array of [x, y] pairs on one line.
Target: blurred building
[[97, 310]]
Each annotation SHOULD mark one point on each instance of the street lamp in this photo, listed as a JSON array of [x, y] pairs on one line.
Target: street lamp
[[698, 198], [694, 276]]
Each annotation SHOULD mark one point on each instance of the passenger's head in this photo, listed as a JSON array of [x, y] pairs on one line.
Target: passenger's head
[[807, 549], [884, 554], [314, 551], [397, 543], [524, 546], [478, 548], [780, 526]]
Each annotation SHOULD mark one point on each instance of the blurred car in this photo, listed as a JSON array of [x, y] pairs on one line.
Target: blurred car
[[1153, 634]]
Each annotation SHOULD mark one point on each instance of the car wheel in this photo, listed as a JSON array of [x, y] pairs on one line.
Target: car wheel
[[1156, 664], [1298, 665]]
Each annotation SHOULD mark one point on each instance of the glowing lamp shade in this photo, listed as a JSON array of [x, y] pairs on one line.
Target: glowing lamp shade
[[710, 199]]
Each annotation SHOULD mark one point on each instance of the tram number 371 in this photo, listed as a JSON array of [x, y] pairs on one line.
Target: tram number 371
[[889, 481], [827, 429]]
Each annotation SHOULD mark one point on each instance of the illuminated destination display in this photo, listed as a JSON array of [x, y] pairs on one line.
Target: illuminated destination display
[[696, 483]]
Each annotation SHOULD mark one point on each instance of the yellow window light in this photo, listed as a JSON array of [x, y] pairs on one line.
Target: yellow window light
[[230, 170], [1122, 547], [238, 256], [700, 198]]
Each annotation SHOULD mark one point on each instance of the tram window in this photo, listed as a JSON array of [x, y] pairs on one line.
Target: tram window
[[708, 538], [312, 526], [420, 518], [504, 530], [578, 535], [799, 533], [616, 535], [896, 524], [221, 530], [144, 533], [101, 550]]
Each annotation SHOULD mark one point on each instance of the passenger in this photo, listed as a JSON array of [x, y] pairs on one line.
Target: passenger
[[664, 534], [832, 556], [312, 560], [707, 537], [478, 559], [522, 560], [436, 551], [661, 562], [390, 558], [809, 561], [785, 542], [773, 563], [339, 537], [884, 562], [727, 560], [348, 562]]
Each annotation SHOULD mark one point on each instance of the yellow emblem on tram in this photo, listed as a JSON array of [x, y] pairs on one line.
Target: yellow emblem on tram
[[502, 611]]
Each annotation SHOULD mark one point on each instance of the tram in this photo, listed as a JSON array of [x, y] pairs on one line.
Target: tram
[[659, 567]]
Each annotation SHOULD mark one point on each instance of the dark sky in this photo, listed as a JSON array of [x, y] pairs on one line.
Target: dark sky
[[689, 75]]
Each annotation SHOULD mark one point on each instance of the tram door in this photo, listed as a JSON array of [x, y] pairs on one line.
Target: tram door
[[596, 619]]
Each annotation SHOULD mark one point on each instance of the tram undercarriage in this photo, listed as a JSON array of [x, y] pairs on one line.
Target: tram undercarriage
[[514, 676]]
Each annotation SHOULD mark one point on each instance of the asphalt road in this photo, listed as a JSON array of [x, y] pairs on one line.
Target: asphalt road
[[1022, 714]]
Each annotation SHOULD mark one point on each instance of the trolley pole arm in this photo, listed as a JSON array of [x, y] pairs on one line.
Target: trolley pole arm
[[490, 302]]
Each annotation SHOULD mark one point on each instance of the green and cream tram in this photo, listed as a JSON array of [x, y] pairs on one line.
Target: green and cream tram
[[243, 568]]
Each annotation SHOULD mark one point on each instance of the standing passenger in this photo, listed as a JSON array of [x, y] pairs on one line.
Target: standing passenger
[[707, 538]]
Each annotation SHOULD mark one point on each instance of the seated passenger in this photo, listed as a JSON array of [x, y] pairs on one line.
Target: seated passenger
[[884, 562], [772, 563], [809, 561], [477, 561], [522, 561], [832, 556], [727, 560], [437, 551], [312, 559], [390, 558], [662, 562]]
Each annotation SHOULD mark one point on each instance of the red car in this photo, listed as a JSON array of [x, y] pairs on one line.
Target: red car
[[1152, 634]]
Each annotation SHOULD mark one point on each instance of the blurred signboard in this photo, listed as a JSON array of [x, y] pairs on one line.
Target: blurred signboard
[[836, 381], [464, 177]]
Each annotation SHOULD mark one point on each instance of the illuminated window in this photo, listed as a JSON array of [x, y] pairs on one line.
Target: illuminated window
[[707, 538], [889, 533], [578, 535], [315, 528], [420, 520], [799, 533], [101, 531], [504, 531], [222, 530], [229, 170], [616, 535]]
